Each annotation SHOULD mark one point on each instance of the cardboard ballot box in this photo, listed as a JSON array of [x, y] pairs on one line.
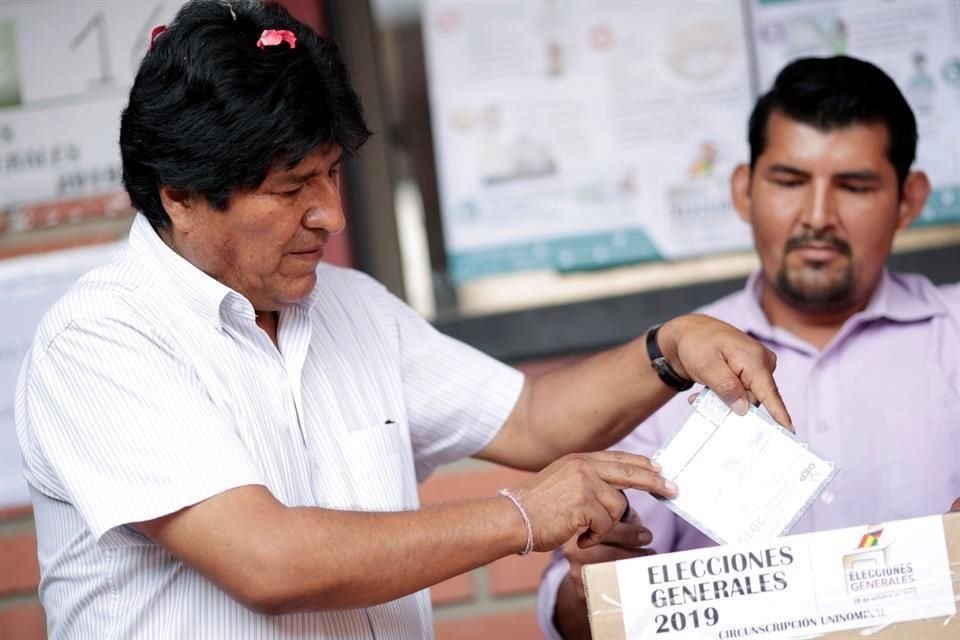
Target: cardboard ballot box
[[897, 580]]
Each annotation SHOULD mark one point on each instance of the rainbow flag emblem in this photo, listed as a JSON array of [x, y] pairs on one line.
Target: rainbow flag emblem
[[870, 539]]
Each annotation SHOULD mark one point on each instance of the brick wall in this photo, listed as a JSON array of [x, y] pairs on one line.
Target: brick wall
[[21, 617], [495, 601]]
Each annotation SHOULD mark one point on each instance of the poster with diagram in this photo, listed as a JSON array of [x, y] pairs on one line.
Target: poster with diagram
[[583, 135], [917, 42], [65, 70], [576, 135]]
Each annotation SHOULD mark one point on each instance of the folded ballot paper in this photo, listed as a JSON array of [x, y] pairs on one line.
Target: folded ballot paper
[[740, 478]]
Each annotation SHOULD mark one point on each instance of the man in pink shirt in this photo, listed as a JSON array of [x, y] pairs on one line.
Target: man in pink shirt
[[868, 360]]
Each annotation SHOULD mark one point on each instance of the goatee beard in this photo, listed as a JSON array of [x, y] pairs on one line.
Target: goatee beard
[[830, 295]]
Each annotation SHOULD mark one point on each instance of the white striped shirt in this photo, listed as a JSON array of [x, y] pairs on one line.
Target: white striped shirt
[[149, 388]]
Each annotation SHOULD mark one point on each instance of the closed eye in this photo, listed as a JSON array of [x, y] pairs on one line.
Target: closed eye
[[786, 182], [859, 188], [291, 192]]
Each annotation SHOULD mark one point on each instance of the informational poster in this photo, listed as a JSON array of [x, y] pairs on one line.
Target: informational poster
[[917, 42], [65, 72], [582, 135], [575, 135]]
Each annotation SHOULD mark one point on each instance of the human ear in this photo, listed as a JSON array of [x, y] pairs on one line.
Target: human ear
[[913, 195], [740, 190], [180, 205]]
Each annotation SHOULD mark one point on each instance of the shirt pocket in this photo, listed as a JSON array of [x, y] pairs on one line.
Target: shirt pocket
[[379, 464]]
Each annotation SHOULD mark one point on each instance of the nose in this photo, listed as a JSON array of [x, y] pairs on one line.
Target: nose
[[329, 218], [820, 211], [325, 213]]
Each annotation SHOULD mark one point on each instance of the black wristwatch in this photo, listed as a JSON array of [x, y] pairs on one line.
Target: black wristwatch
[[660, 364]]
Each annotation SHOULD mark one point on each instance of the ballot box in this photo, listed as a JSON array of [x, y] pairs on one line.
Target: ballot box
[[893, 580]]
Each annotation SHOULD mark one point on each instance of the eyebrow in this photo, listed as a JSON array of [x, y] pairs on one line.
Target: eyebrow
[[785, 168], [863, 175]]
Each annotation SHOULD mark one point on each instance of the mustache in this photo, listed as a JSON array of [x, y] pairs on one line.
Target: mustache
[[814, 236]]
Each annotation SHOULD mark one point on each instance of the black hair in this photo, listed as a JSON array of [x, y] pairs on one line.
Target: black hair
[[211, 113], [834, 93]]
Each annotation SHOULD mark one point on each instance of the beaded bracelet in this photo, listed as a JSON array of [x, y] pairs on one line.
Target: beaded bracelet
[[506, 493]]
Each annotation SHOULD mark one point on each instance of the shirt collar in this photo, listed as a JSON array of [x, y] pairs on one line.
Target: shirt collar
[[205, 296], [892, 300]]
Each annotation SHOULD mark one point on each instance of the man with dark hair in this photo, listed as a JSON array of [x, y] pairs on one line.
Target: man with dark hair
[[223, 436], [868, 360]]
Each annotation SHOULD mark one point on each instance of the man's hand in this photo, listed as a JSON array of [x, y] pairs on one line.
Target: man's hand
[[725, 359], [956, 505], [578, 496], [628, 539]]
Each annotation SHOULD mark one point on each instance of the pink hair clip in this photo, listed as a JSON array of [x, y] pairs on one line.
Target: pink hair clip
[[157, 30], [273, 37]]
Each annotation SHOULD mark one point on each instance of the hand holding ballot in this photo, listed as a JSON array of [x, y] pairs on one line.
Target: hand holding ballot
[[728, 360]]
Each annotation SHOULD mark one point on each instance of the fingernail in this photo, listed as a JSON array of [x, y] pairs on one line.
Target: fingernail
[[671, 487], [655, 466], [740, 407]]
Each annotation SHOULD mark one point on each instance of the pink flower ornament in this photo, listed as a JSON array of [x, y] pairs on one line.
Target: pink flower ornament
[[157, 30], [273, 37]]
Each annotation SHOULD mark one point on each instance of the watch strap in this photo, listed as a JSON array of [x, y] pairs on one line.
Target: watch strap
[[662, 366]]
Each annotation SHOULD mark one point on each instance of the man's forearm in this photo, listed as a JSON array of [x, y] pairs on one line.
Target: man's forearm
[[314, 559], [584, 407], [570, 615], [595, 403], [276, 559]]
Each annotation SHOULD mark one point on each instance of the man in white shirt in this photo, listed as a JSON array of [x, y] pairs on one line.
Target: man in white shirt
[[222, 436]]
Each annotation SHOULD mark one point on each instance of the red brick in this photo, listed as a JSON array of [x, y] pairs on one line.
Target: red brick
[[484, 483], [19, 571], [16, 513], [521, 625], [514, 574], [56, 245], [54, 212], [23, 622], [456, 589]]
